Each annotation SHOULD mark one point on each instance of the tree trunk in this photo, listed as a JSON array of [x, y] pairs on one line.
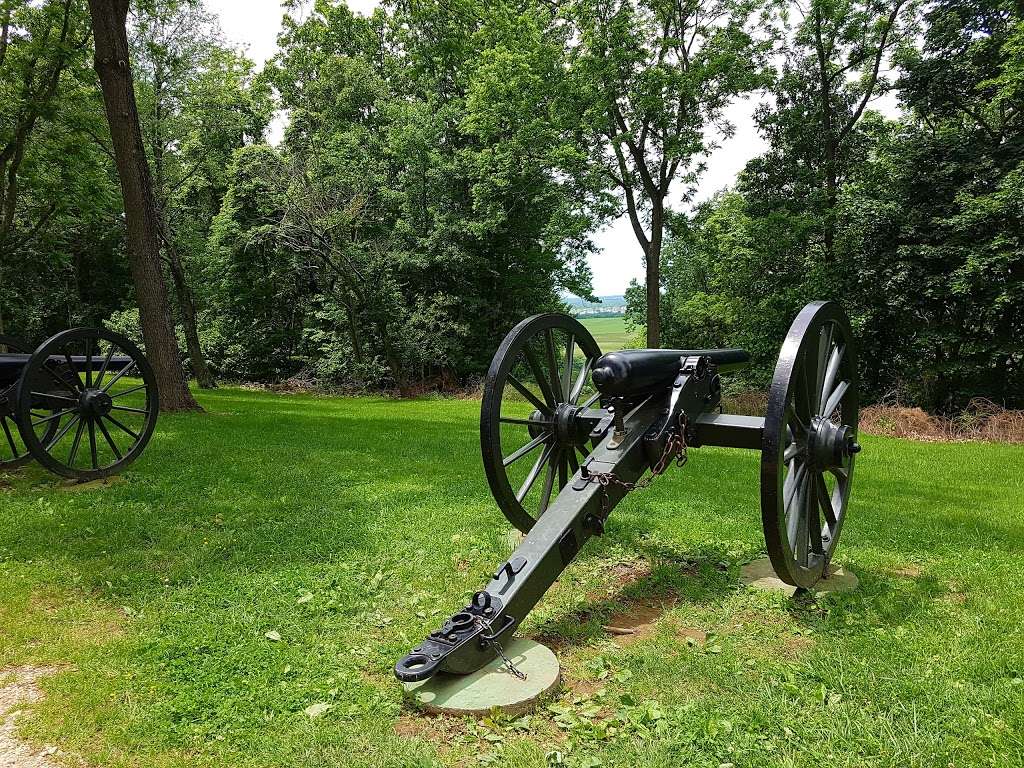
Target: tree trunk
[[653, 258], [186, 303], [353, 333], [143, 241], [393, 362], [828, 136], [196, 359]]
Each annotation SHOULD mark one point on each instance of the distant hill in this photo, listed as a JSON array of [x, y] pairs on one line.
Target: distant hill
[[606, 306]]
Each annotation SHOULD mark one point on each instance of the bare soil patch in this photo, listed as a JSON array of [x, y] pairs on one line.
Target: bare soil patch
[[621, 576], [698, 636], [18, 688], [637, 623], [909, 571], [583, 689], [796, 645]]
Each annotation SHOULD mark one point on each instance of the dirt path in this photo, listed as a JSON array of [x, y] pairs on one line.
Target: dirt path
[[18, 687]]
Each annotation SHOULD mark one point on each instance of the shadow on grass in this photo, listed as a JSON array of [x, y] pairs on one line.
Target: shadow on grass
[[666, 576], [259, 490]]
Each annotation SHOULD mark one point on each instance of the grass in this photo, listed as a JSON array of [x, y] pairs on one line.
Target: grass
[[349, 528], [610, 333]]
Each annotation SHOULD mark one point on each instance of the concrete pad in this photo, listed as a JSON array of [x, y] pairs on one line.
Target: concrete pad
[[493, 686], [759, 574]]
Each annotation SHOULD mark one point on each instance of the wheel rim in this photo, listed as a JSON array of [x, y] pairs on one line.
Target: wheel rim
[[107, 409], [13, 451], [530, 443], [809, 447]]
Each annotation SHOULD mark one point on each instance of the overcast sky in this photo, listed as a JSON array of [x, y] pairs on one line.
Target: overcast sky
[[254, 24]]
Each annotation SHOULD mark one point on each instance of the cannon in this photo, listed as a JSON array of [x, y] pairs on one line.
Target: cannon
[[567, 432], [83, 403]]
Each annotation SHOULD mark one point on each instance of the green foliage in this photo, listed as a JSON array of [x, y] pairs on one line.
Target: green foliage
[[651, 81], [254, 287], [445, 167], [60, 233], [928, 254], [126, 322], [62, 260], [426, 196]]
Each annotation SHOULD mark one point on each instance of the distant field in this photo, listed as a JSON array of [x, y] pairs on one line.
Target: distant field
[[609, 332]]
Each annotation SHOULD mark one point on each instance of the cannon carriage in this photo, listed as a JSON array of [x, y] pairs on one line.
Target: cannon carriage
[[567, 432], [83, 403]]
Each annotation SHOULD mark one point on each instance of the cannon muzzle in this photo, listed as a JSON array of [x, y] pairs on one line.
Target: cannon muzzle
[[639, 371]]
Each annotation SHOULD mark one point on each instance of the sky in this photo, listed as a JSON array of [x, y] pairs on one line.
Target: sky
[[254, 25]]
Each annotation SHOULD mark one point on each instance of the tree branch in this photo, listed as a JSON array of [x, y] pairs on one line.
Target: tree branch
[[869, 89]]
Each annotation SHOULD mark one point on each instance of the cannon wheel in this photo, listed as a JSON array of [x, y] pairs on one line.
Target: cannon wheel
[[107, 415], [539, 376], [13, 452], [809, 444]]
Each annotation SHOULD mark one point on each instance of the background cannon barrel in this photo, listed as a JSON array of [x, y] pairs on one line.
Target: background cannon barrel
[[636, 371]]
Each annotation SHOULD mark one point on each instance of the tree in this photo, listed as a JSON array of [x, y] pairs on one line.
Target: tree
[[37, 46], [939, 217], [928, 255], [654, 76], [198, 104], [142, 216], [433, 189], [257, 291], [832, 69]]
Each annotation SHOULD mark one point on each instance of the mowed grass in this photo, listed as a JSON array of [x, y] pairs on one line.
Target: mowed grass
[[610, 333], [349, 528]]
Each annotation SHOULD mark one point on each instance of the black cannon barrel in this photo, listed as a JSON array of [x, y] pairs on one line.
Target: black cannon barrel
[[637, 371], [12, 364]]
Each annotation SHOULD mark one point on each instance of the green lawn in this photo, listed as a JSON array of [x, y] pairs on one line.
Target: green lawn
[[609, 332], [351, 527]]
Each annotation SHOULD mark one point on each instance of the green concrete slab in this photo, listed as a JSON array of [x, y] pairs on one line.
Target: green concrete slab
[[759, 574], [493, 686]]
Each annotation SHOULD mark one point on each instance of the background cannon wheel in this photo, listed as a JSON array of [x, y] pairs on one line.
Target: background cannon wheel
[[538, 378], [107, 415], [13, 452], [809, 444]]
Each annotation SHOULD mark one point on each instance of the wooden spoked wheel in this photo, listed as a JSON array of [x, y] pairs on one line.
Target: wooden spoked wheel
[[101, 390], [809, 444], [13, 451], [538, 380]]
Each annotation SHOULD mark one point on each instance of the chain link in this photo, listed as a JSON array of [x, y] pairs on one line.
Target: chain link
[[493, 643], [674, 446]]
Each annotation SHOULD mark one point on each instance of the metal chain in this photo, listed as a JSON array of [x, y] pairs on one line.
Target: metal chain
[[674, 446], [493, 643]]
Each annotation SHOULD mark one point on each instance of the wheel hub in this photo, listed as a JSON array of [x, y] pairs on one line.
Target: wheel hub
[[567, 427], [565, 423], [95, 402], [829, 444], [570, 428]]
